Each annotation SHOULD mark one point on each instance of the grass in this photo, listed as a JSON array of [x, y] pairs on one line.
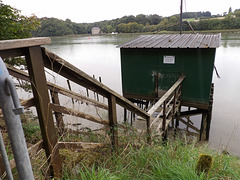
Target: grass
[[174, 160]]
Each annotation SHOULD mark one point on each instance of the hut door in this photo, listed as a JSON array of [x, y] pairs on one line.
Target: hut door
[[164, 81]]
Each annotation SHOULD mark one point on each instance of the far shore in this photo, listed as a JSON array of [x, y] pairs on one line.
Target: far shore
[[160, 32]]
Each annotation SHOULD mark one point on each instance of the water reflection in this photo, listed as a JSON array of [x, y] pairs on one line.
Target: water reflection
[[224, 127], [230, 40]]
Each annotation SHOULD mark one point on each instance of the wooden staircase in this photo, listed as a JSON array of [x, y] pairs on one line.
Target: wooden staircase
[[164, 110]]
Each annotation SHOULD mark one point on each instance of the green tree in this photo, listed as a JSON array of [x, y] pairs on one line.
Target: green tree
[[173, 19], [154, 19], [109, 28], [163, 23], [13, 25], [55, 27], [141, 19]]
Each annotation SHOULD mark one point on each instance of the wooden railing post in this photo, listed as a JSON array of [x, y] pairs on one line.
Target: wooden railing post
[[149, 140], [38, 81], [164, 121], [58, 116], [112, 114]]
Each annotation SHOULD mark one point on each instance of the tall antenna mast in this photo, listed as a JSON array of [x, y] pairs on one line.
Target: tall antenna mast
[[181, 16]]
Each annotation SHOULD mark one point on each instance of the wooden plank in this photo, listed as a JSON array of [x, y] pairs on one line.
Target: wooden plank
[[165, 96], [62, 67], [41, 97], [55, 88], [80, 145], [112, 115], [64, 110], [191, 112], [196, 105], [28, 103], [12, 52], [20, 43], [76, 96], [191, 126]]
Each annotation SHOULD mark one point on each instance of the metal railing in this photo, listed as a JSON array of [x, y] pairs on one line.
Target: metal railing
[[11, 109]]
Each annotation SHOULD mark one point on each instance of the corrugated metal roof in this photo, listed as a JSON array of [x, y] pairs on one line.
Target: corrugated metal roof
[[174, 41]]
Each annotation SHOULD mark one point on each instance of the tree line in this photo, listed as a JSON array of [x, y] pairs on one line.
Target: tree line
[[140, 23]]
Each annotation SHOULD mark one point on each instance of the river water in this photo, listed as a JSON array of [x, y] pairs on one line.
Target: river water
[[98, 55]]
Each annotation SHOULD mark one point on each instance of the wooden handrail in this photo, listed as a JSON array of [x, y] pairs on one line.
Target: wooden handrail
[[165, 96], [21, 43], [55, 88], [67, 70]]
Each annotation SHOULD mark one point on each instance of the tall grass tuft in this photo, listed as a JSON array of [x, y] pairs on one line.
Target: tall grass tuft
[[174, 160]]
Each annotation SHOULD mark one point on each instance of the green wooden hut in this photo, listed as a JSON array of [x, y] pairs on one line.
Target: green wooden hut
[[151, 64]]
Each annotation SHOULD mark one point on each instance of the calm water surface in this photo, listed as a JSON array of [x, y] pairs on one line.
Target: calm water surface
[[98, 55]]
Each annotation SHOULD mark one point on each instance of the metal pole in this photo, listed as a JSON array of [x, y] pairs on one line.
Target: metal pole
[[181, 16], [11, 109], [5, 158]]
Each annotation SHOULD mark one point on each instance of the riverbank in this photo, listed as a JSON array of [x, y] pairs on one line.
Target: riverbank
[[159, 32], [186, 32], [175, 159]]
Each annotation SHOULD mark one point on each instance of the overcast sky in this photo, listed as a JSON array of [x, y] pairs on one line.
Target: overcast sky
[[97, 10]]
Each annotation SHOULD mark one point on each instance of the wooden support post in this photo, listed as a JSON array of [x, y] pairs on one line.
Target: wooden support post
[[131, 114], [125, 115], [58, 116], [209, 119], [70, 89], [164, 122], [37, 76], [177, 117], [149, 140], [203, 133], [112, 113], [209, 113]]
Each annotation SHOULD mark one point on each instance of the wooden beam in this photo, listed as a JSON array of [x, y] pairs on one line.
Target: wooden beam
[[55, 88], [39, 86], [191, 112], [195, 105], [191, 126], [112, 115], [13, 52], [80, 145], [28, 103], [20, 43], [64, 110]]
